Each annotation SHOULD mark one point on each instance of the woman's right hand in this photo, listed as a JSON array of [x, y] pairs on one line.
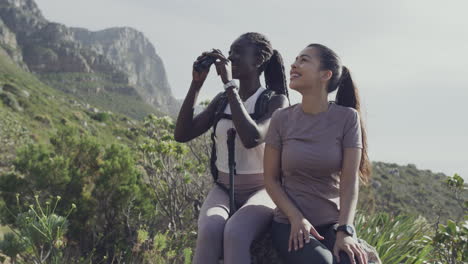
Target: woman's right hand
[[200, 77], [301, 228]]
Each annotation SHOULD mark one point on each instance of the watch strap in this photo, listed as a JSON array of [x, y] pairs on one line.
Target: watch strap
[[231, 83]]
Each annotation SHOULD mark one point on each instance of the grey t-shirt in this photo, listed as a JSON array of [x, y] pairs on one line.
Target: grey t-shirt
[[311, 149]]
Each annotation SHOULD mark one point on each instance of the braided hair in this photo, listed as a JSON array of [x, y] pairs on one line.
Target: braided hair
[[271, 63]]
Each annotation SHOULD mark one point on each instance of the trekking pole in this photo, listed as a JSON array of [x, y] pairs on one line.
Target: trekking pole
[[231, 136]]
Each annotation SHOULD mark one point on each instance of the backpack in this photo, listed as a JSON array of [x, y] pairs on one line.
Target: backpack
[[261, 107]]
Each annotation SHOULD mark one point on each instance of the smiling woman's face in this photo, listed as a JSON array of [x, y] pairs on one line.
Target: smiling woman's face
[[305, 71], [243, 58]]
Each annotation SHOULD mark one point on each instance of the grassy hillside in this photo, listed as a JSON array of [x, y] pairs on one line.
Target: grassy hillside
[[408, 190], [31, 110], [99, 89]]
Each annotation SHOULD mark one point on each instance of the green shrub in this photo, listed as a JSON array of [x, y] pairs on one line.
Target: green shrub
[[398, 239], [451, 242], [9, 100], [101, 116], [44, 119], [38, 234], [103, 180]]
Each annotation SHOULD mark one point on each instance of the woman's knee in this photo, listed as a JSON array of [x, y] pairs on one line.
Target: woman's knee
[[313, 252], [246, 224], [323, 255], [211, 228], [309, 256], [344, 258], [234, 233]]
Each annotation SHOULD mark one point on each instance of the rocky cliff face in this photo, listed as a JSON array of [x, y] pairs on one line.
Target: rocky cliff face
[[122, 57], [9, 45], [22, 16], [131, 52]]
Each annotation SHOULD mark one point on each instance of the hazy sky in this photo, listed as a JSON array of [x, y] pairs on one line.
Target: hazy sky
[[409, 58]]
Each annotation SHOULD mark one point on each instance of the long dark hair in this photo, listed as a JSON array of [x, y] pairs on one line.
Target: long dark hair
[[347, 95], [272, 63]]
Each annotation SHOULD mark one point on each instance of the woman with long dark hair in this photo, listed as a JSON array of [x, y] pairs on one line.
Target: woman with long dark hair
[[315, 154], [250, 55]]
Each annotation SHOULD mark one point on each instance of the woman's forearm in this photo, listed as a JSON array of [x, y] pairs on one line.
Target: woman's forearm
[[349, 190], [349, 185], [246, 127], [185, 117], [281, 199]]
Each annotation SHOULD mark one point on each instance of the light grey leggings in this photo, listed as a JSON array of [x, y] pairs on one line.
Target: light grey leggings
[[233, 236]]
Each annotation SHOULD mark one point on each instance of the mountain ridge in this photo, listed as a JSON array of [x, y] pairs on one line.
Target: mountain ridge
[[122, 56]]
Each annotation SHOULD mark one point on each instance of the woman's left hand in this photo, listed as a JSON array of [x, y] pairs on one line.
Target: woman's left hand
[[223, 65], [351, 247]]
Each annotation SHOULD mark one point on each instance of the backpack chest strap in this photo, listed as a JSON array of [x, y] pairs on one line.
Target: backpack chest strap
[[228, 117]]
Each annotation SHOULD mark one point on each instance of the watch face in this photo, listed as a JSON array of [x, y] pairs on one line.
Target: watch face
[[348, 229]]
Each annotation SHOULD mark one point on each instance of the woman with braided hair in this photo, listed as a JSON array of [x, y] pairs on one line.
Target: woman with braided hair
[[221, 236], [315, 154]]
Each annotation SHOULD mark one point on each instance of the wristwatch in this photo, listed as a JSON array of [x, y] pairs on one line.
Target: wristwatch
[[231, 83], [347, 229]]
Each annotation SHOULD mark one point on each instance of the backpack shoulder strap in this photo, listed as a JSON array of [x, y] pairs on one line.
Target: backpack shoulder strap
[[221, 104], [261, 105]]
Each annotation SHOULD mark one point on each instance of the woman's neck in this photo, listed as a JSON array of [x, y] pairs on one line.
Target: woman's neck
[[248, 86], [315, 101]]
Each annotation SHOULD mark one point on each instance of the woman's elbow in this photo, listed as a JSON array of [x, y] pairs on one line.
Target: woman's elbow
[[271, 187], [251, 142], [270, 183], [268, 187], [250, 145], [179, 137]]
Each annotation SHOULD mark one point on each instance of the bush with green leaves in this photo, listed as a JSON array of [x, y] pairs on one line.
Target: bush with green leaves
[[457, 186], [102, 180], [179, 182], [179, 179], [162, 248], [121, 192], [451, 240], [38, 234], [10, 100], [101, 116]]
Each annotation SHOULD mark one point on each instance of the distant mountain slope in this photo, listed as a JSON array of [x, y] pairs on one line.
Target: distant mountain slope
[[103, 67], [30, 110], [406, 189]]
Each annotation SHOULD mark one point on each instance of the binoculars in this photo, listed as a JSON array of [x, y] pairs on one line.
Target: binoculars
[[204, 64]]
